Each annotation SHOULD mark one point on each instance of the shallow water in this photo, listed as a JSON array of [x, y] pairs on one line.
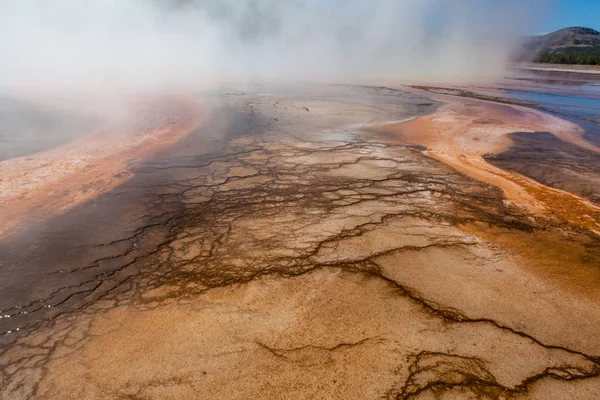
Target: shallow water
[[542, 156], [27, 128], [581, 107], [570, 95]]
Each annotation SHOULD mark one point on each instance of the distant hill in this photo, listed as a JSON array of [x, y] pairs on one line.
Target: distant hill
[[576, 45]]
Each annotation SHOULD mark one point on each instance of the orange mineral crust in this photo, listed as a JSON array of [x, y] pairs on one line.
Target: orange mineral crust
[[322, 251], [37, 186], [463, 131]]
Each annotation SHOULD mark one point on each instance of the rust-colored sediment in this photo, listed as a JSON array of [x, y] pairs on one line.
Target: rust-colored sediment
[[569, 261], [462, 132], [37, 186], [331, 264]]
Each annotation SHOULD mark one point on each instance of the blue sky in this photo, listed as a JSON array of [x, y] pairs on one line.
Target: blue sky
[[553, 14], [573, 13]]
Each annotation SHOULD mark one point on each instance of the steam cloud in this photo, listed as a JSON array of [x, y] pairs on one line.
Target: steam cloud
[[101, 44]]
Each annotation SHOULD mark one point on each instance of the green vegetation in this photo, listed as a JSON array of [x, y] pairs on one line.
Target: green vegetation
[[575, 45], [566, 58]]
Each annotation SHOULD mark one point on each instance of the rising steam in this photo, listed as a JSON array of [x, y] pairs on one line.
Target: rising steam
[[164, 43]]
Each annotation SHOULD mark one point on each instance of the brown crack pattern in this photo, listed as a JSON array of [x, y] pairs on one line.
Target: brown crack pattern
[[441, 372], [311, 261]]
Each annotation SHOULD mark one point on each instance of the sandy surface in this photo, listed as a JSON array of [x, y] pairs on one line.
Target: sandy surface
[[585, 69], [311, 257]]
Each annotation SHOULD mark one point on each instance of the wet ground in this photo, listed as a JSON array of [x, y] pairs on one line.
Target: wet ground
[[575, 97], [56, 264], [546, 159], [542, 156], [285, 249]]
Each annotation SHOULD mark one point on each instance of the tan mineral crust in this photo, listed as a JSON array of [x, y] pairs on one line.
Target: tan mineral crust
[[326, 251]]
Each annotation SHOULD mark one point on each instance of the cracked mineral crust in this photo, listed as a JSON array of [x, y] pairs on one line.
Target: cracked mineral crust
[[286, 250]]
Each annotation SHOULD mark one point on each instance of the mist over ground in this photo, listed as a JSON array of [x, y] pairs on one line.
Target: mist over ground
[[156, 44]]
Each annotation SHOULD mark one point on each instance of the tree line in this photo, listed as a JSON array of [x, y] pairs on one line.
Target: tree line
[[574, 58]]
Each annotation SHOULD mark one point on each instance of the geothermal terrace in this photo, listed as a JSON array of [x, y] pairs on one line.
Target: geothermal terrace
[[305, 242]]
